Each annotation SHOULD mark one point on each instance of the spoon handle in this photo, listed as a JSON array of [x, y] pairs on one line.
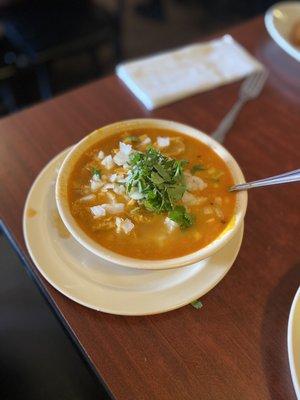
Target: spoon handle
[[291, 176]]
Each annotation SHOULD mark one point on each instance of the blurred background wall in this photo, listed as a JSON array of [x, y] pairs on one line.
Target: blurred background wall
[[47, 47]]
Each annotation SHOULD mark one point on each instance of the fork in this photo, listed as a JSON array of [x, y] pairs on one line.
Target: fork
[[250, 89]]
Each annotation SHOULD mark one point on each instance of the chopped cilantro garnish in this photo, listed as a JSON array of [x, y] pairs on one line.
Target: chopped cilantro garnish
[[97, 172], [197, 167], [160, 180], [156, 178], [175, 193], [181, 216], [197, 304]]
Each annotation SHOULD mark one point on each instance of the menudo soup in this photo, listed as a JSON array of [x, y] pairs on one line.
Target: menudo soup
[[151, 194]]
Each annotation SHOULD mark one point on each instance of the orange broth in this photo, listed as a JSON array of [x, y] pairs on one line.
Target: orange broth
[[151, 238]]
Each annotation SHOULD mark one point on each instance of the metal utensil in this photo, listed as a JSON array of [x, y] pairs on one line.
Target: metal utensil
[[291, 176], [249, 90]]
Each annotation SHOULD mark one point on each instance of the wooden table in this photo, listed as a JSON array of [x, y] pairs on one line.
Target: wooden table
[[235, 346]]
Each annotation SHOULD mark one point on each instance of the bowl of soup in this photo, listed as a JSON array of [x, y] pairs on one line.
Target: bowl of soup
[[150, 194]]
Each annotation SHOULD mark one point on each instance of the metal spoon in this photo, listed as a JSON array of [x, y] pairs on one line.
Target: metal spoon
[[291, 176]]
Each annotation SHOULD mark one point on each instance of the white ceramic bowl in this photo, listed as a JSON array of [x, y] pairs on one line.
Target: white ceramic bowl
[[109, 130], [279, 21]]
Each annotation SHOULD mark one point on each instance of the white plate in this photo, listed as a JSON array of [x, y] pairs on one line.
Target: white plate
[[294, 342], [279, 20], [99, 284]]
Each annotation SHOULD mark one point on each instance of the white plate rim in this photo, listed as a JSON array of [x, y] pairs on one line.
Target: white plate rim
[[290, 343], [176, 305]]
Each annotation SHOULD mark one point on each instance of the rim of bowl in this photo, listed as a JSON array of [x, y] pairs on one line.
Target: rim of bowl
[[275, 33], [61, 194]]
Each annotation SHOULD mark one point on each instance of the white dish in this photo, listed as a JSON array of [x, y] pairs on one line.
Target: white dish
[[128, 125], [279, 20], [101, 285], [294, 342]]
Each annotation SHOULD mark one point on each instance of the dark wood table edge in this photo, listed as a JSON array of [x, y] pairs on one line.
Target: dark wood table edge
[[32, 273]]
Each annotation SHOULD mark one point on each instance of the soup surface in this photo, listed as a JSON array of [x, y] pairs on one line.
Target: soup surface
[[151, 194]]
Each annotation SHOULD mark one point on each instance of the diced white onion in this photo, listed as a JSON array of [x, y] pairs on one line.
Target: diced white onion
[[113, 178], [170, 224], [96, 178], [125, 148], [101, 155], [146, 141], [98, 211], [135, 194], [121, 178], [163, 141], [108, 186], [119, 189], [115, 208], [96, 184], [122, 156], [194, 183], [88, 197], [124, 225], [107, 162]]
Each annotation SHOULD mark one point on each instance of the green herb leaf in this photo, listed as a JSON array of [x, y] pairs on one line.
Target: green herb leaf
[[175, 193], [97, 172], [156, 178], [181, 216], [161, 181], [197, 304], [197, 167], [162, 170]]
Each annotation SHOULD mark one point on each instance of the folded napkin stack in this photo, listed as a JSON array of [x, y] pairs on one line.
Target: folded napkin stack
[[164, 78]]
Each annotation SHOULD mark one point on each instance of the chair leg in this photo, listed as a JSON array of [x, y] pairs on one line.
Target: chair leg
[[43, 81]]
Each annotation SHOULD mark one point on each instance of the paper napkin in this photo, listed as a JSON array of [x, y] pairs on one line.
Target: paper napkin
[[164, 78]]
